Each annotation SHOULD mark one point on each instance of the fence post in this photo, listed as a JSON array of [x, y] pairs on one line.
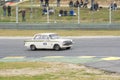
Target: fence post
[[48, 20], [78, 15], [31, 9], [110, 15], [1, 12], [54, 14], [16, 14]]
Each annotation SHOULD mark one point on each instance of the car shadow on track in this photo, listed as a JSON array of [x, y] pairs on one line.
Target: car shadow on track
[[47, 50]]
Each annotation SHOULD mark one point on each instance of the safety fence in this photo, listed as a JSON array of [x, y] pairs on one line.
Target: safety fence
[[32, 13], [81, 15]]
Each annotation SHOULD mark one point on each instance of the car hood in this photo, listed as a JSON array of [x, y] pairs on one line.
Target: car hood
[[62, 40]]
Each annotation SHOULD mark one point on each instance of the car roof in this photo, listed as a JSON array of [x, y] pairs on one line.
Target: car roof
[[45, 33]]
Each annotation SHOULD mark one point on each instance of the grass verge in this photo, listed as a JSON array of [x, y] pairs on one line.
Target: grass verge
[[51, 71], [61, 32]]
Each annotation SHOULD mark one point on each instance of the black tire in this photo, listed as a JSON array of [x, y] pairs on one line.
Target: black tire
[[57, 47], [32, 47], [68, 47]]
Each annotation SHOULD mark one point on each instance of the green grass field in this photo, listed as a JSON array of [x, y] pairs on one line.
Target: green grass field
[[51, 71]]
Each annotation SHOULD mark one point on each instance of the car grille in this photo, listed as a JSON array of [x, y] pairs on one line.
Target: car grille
[[67, 43]]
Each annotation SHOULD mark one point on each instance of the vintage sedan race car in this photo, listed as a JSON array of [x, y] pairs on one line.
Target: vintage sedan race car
[[48, 41]]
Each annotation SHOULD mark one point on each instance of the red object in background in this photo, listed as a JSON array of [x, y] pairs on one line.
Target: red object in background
[[9, 3]]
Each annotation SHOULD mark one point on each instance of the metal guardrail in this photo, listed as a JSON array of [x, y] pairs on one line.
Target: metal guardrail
[[33, 26]]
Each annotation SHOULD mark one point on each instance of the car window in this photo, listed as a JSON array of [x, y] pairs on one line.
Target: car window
[[44, 37], [41, 37], [54, 36], [37, 37]]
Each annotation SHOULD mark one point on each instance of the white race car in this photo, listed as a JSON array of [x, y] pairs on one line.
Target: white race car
[[48, 41]]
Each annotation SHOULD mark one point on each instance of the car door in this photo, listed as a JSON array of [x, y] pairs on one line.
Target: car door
[[38, 41], [46, 42]]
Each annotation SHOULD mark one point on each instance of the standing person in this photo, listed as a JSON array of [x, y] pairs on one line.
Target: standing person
[[41, 2], [46, 2], [71, 4], [115, 5], [76, 3], [9, 10], [58, 3], [4, 10], [96, 6], [23, 15], [85, 4], [65, 12], [81, 3], [92, 5], [61, 12]]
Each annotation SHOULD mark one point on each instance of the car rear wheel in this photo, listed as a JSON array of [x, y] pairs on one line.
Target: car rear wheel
[[32, 47], [57, 47]]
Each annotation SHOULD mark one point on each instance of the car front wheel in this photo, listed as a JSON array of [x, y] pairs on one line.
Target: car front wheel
[[57, 47], [68, 47]]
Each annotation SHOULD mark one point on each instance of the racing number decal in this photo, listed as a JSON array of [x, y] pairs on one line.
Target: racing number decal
[[44, 43]]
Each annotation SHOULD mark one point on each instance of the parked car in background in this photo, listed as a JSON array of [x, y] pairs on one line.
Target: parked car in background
[[48, 41]]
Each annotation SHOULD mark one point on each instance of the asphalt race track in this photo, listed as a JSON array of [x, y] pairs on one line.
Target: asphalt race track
[[81, 47], [102, 53]]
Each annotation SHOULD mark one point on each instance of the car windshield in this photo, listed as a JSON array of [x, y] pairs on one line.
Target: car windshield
[[54, 36]]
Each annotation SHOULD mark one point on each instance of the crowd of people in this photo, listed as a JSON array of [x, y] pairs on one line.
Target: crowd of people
[[49, 11], [6, 10], [72, 3], [113, 5], [95, 6], [67, 13], [46, 3], [78, 3]]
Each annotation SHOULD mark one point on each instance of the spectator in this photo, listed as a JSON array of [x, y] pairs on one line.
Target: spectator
[[46, 2], [65, 13], [9, 10], [71, 13], [96, 6], [41, 3], [51, 11], [23, 15], [81, 3], [23, 12], [58, 3], [4, 10], [92, 5], [71, 4], [85, 4], [115, 5], [44, 11], [61, 12], [76, 4]]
